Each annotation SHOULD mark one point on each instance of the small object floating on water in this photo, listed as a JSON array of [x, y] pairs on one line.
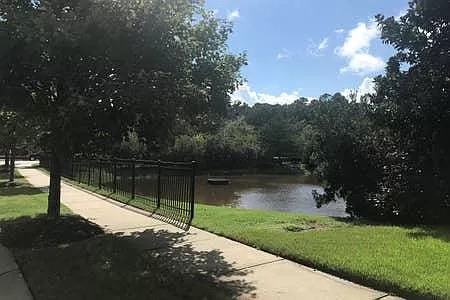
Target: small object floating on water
[[217, 181]]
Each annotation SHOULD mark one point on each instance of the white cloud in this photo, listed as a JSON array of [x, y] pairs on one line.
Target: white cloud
[[233, 15], [283, 54], [358, 39], [356, 49], [246, 94], [317, 49], [323, 44], [367, 86], [363, 63], [340, 30], [347, 92]]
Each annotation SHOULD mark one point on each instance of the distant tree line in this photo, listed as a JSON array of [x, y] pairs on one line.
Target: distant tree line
[[17, 134]]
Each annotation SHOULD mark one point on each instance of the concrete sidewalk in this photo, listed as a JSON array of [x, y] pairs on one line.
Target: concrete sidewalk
[[269, 276], [12, 284]]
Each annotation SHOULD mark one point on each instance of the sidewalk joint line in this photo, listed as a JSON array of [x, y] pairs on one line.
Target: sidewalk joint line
[[381, 297], [257, 265], [6, 272]]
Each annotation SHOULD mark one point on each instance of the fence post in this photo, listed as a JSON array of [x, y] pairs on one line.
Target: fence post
[[115, 176], [99, 174], [158, 203], [89, 173], [192, 189], [133, 179]]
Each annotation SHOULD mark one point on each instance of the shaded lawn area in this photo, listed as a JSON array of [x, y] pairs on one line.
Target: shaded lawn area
[[413, 262], [72, 258]]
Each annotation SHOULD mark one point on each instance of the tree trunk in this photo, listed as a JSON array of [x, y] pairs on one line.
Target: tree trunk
[[54, 195], [7, 158], [12, 164]]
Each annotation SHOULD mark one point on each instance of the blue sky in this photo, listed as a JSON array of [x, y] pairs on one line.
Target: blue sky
[[306, 47]]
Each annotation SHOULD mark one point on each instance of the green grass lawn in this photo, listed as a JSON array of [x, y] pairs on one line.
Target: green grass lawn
[[22, 200], [413, 262]]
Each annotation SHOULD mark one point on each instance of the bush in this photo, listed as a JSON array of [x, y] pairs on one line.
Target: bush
[[187, 147], [236, 144]]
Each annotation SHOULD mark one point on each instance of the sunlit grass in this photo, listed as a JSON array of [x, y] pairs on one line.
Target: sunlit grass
[[22, 199], [410, 261]]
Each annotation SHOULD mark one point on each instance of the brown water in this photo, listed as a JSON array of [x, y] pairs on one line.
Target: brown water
[[291, 193]]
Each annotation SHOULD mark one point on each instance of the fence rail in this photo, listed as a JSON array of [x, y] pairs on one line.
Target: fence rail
[[166, 189]]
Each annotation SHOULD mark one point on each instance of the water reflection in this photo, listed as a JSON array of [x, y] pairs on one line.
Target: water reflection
[[290, 193]]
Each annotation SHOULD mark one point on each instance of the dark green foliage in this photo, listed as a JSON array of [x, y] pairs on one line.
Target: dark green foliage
[[337, 145], [275, 127], [95, 67], [237, 144], [413, 105]]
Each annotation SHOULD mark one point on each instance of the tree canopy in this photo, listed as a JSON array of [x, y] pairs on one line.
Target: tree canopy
[[91, 70]]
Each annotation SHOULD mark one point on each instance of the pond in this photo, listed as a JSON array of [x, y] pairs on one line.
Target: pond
[[290, 193]]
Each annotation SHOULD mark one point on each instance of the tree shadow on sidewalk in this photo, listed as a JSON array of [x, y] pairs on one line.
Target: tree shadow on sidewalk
[[79, 261]]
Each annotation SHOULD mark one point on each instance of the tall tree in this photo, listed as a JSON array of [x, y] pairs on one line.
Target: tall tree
[[413, 103], [388, 157], [90, 70]]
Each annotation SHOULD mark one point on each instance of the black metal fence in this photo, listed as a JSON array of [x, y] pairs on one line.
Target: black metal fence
[[165, 189]]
